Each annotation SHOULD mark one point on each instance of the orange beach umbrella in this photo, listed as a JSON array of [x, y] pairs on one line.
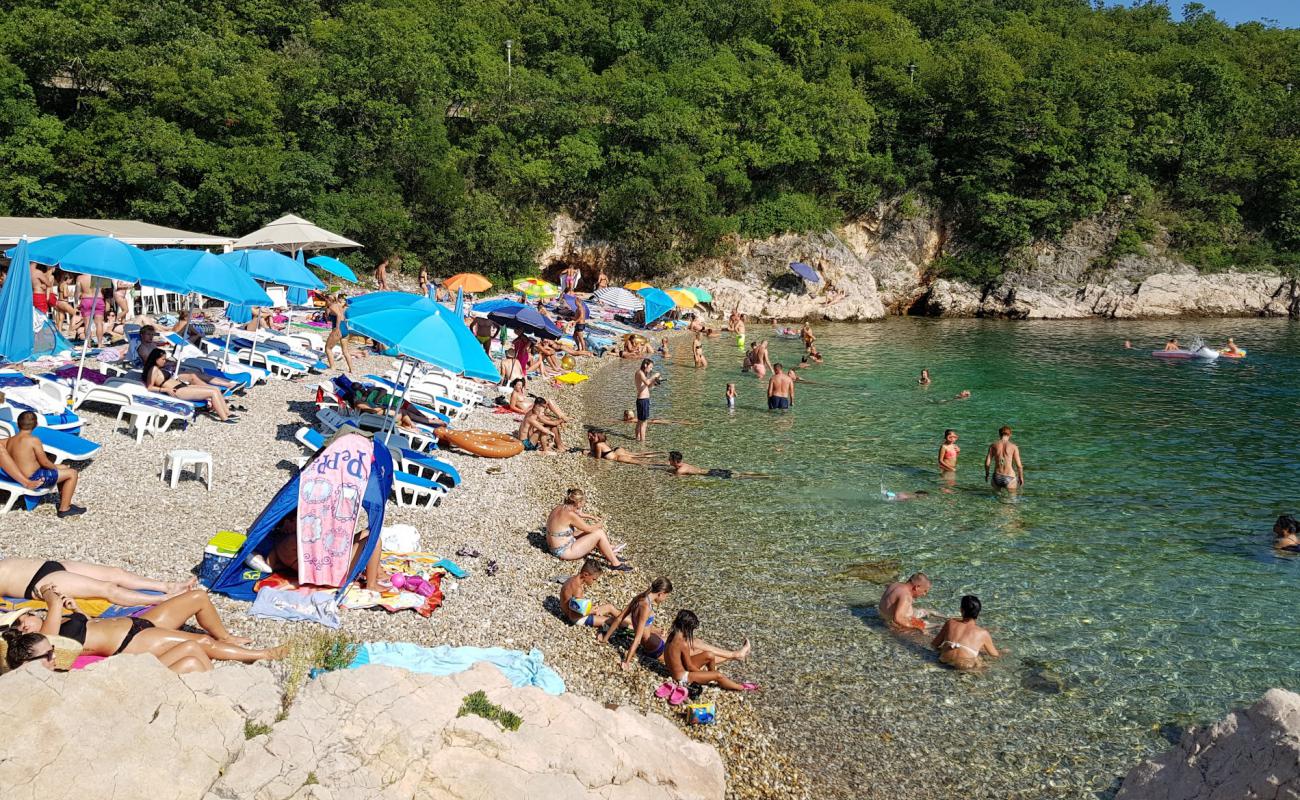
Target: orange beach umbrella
[[682, 299], [636, 286], [468, 282]]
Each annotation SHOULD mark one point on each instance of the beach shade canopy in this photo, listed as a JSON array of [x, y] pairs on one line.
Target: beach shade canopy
[[636, 286], [17, 314], [526, 320], [273, 267], [701, 295], [469, 282], [334, 267], [497, 304], [419, 328], [657, 303], [682, 299], [621, 299], [459, 310], [202, 272], [572, 302], [291, 233], [365, 461], [804, 271], [536, 287]]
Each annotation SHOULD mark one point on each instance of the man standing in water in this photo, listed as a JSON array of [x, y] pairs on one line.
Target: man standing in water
[[1004, 458], [780, 390], [896, 607], [646, 378]]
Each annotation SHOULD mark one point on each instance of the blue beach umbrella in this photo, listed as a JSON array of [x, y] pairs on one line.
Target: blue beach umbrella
[[527, 320], [804, 271], [201, 272], [273, 267], [657, 303], [102, 256], [421, 329], [460, 303], [297, 295], [499, 304], [17, 339], [334, 267], [572, 302]]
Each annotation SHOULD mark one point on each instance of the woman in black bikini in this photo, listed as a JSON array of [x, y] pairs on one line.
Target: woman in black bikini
[[158, 377], [29, 577], [156, 631], [601, 449], [336, 311]]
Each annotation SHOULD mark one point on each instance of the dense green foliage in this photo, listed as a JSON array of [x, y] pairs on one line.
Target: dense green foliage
[[665, 125]]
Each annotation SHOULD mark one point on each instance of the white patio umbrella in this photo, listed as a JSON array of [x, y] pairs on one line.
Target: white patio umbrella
[[290, 233]]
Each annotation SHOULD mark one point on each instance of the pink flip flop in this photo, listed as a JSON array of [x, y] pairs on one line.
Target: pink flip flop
[[665, 689], [678, 696], [749, 687]]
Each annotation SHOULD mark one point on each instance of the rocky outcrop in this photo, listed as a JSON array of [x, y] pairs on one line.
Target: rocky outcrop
[[1253, 754], [128, 728], [757, 279]]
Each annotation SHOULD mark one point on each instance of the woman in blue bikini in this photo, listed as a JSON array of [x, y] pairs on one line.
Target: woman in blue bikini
[[571, 533], [650, 640]]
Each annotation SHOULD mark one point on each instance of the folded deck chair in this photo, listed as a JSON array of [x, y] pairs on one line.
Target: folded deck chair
[[409, 490]]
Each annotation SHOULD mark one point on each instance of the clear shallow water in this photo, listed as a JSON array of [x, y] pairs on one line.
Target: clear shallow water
[[1132, 584]]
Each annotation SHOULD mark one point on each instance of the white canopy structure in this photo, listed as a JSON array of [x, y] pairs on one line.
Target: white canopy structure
[[131, 231], [291, 233]]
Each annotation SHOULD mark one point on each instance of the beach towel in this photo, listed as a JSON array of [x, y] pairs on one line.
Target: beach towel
[[329, 502], [296, 605], [523, 669], [91, 607]]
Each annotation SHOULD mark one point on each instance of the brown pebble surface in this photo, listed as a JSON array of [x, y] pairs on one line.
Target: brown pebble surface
[[135, 521]]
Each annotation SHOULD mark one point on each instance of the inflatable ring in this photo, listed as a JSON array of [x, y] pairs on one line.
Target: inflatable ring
[[488, 444]]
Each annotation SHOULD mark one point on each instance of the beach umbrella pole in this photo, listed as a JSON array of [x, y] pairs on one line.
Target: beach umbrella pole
[[85, 347]]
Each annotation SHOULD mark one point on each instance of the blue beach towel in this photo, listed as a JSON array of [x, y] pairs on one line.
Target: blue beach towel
[[523, 669]]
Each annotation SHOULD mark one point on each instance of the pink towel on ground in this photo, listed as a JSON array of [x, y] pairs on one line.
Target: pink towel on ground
[[329, 502]]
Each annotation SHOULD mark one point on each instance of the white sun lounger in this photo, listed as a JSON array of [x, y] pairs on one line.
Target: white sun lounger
[[409, 490]]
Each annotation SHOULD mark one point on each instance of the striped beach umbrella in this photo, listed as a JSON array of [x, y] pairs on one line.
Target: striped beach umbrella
[[620, 299]]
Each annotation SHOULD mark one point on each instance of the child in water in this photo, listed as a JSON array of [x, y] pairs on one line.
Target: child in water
[[731, 397]]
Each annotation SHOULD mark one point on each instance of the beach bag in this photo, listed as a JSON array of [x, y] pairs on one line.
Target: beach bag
[[701, 713]]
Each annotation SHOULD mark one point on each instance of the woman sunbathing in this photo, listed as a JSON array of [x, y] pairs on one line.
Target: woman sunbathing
[[691, 660], [156, 631], [600, 449], [646, 638], [158, 377], [28, 577], [571, 534]]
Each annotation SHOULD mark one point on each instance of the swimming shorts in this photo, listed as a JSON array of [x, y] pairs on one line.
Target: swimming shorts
[[92, 306], [1005, 481], [774, 403], [579, 327], [42, 301], [47, 477], [530, 445], [137, 624], [44, 570], [657, 651], [643, 409], [719, 473]]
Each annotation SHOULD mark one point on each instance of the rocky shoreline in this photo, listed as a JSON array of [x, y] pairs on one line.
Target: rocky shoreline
[[138, 523], [891, 263]]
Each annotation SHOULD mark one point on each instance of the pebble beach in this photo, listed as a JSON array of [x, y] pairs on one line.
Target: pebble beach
[[137, 522]]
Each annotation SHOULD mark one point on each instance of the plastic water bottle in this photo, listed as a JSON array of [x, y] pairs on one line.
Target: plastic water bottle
[[257, 562]]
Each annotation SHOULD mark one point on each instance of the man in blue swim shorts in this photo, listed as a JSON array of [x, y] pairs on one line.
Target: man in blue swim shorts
[[25, 455], [780, 389], [646, 379]]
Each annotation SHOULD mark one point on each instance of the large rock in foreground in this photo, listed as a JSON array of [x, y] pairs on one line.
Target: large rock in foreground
[[128, 728], [125, 728], [1253, 754], [384, 732]]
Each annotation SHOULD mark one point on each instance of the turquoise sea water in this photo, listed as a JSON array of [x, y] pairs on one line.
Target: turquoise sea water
[[1132, 583]]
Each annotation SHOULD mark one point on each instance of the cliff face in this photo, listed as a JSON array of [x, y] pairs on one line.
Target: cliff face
[[885, 263]]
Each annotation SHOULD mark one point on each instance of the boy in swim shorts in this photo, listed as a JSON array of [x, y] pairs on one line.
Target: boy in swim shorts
[[580, 610]]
